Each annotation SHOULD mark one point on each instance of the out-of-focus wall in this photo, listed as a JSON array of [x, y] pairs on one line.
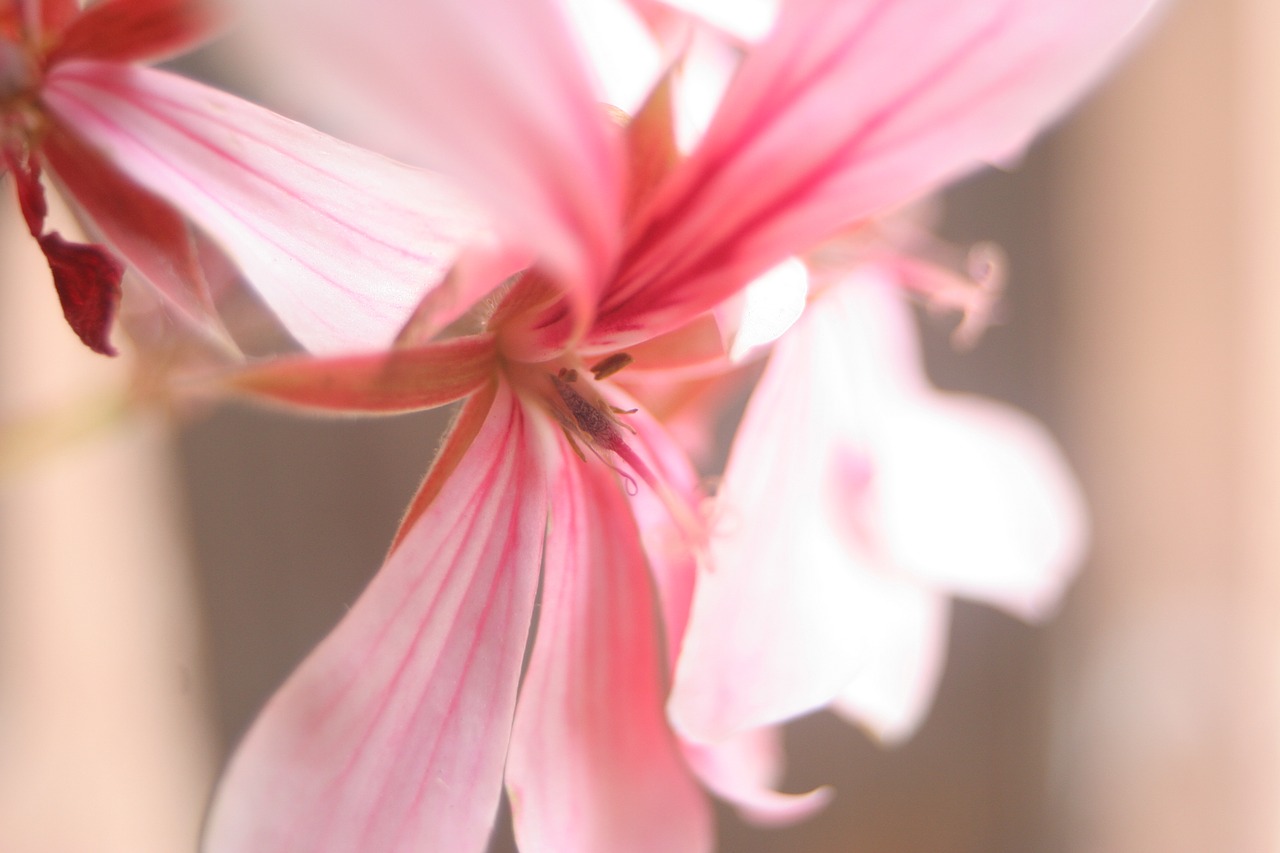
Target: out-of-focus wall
[[1165, 727]]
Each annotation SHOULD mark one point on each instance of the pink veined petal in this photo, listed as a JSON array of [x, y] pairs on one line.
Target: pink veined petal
[[477, 270], [492, 92], [341, 243], [891, 695], [849, 108], [390, 382], [145, 231], [775, 629], [134, 30], [969, 496], [467, 423], [670, 529], [744, 770], [391, 736], [593, 764]]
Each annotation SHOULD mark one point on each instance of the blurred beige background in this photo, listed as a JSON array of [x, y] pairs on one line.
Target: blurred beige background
[[1143, 323]]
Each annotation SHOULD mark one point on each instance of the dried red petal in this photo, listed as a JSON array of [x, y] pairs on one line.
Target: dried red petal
[[87, 278]]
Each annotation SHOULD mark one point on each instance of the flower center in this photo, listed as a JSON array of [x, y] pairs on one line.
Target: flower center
[[596, 423]]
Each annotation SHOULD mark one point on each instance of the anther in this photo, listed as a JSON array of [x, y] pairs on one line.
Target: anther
[[610, 365]]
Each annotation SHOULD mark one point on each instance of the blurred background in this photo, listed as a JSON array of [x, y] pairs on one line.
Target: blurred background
[[157, 584]]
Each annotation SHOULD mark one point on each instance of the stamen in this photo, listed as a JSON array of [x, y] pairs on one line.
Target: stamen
[[596, 423], [572, 443], [610, 365], [970, 287]]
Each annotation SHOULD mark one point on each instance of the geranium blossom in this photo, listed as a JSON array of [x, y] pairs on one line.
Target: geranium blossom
[[855, 500], [320, 228], [398, 731]]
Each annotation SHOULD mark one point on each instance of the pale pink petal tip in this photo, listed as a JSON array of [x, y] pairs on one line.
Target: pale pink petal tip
[[743, 771], [891, 696], [1006, 520]]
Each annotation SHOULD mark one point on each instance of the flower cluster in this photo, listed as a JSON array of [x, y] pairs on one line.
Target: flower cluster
[[583, 279]]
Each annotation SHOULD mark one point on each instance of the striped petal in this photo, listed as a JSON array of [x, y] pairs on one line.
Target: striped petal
[[391, 736], [492, 92], [390, 382], [594, 765], [848, 109], [342, 244], [142, 229]]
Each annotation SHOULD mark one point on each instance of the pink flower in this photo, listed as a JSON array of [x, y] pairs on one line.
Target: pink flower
[[856, 499], [320, 228], [398, 731]]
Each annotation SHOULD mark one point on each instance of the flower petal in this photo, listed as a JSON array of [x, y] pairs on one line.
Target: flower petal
[[743, 771], [891, 695], [342, 244], [977, 500], [146, 232], [665, 519], [968, 496], [399, 380], [849, 108], [466, 426], [392, 734], [86, 276], [10, 22], [775, 628], [134, 30], [492, 92], [35, 19], [593, 764]]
